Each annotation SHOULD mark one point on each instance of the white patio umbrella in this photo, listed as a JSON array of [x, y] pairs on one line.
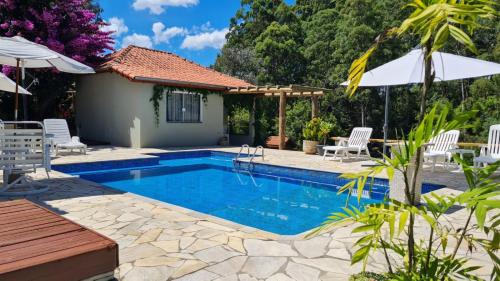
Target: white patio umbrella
[[409, 69], [21, 53], [7, 85]]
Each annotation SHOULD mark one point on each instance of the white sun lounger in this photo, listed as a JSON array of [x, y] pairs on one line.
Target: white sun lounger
[[357, 143], [490, 153], [60, 137], [22, 151], [440, 147]]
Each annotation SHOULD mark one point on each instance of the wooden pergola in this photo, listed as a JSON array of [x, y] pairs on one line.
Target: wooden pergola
[[284, 92]]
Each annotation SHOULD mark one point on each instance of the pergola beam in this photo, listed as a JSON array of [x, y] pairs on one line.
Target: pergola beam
[[291, 90]]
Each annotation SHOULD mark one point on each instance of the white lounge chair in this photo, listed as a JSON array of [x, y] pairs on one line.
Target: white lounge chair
[[490, 153], [357, 143], [60, 137], [440, 147], [22, 151]]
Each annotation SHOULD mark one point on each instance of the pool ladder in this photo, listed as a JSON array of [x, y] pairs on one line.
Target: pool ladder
[[251, 155]]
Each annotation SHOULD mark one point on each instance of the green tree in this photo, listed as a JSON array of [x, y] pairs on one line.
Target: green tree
[[331, 35], [279, 48], [307, 8], [483, 98], [239, 62], [251, 20]]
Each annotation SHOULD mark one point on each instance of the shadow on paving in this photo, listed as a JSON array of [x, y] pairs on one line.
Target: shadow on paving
[[64, 188]]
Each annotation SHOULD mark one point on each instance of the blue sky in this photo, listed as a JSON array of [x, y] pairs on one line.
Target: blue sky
[[194, 29]]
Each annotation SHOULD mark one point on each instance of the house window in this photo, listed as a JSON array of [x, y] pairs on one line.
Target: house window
[[184, 108]]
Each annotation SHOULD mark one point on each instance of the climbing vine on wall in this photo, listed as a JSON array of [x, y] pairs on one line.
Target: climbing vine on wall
[[160, 90]]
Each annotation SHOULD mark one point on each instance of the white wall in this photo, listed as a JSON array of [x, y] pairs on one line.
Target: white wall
[[113, 109]]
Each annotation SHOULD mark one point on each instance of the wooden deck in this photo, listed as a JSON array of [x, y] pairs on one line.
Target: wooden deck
[[37, 244]]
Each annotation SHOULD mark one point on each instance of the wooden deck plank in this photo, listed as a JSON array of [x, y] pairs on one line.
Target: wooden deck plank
[[13, 219], [55, 255], [15, 203], [76, 268], [33, 229], [38, 244], [23, 219], [17, 208], [29, 223], [28, 236], [49, 248], [49, 239], [26, 213]]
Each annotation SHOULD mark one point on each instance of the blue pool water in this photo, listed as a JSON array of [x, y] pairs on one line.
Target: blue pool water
[[281, 200]]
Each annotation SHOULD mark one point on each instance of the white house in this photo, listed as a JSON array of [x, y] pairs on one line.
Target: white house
[[114, 104]]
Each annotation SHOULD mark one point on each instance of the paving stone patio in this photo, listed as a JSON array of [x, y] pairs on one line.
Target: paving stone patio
[[160, 241]]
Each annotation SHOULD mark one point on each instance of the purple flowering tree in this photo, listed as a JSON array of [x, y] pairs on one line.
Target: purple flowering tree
[[70, 27]]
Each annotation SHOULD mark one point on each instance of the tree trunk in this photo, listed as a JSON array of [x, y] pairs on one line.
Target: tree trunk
[[428, 77]]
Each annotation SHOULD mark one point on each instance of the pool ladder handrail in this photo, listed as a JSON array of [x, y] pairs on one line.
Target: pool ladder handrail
[[252, 156], [241, 149], [255, 153]]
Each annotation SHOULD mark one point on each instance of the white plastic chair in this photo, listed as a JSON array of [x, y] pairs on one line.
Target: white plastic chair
[[60, 137], [440, 147], [22, 151], [490, 153], [357, 143]]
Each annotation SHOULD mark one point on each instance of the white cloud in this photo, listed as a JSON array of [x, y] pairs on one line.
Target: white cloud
[[157, 6], [138, 40], [164, 35], [206, 27], [214, 39], [116, 25]]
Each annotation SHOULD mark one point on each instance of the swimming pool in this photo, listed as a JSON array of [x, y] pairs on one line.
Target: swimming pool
[[278, 199]]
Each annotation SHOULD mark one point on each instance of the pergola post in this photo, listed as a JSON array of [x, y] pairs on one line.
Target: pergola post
[[251, 129], [282, 120], [314, 107]]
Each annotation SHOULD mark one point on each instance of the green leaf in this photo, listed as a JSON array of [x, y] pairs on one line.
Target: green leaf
[[403, 218], [363, 228], [462, 38], [391, 222], [390, 172], [481, 215], [357, 70], [361, 254]]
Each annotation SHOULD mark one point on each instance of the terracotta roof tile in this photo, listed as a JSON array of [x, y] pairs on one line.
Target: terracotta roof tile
[[146, 65]]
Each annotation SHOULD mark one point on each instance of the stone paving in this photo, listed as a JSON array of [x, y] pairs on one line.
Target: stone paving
[[160, 241]]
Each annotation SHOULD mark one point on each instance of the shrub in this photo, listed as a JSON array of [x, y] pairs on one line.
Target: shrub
[[317, 130]]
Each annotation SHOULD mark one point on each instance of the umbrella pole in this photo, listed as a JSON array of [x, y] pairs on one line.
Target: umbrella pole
[[25, 97], [386, 119], [16, 103]]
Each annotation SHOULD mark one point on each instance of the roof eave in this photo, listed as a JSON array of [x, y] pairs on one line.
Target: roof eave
[[177, 83]]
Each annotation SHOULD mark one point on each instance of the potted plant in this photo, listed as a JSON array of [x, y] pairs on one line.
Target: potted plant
[[312, 136], [325, 129]]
